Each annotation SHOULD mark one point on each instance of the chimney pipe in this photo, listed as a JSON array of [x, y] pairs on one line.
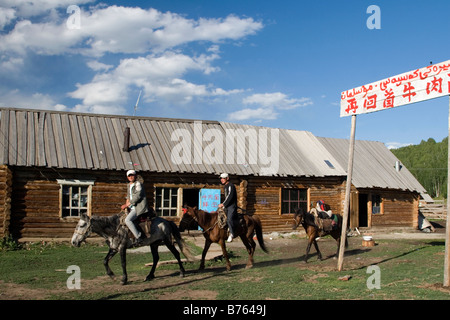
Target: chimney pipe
[[126, 140]]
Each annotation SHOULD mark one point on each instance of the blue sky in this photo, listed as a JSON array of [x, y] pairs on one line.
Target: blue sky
[[281, 64]]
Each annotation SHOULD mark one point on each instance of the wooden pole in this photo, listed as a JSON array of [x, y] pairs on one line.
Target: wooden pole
[[447, 224], [348, 186]]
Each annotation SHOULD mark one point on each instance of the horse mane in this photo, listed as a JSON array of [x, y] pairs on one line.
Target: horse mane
[[105, 226], [308, 218], [205, 218]]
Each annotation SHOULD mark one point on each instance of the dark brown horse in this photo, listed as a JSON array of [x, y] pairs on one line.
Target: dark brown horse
[[209, 222], [307, 220]]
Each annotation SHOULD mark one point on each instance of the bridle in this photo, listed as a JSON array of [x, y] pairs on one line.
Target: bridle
[[193, 217]]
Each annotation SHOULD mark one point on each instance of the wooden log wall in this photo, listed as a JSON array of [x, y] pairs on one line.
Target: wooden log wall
[[264, 198], [400, 208], [5, 200], [35, 198]]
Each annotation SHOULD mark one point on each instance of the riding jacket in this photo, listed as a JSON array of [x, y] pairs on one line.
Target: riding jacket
[[136, 195]]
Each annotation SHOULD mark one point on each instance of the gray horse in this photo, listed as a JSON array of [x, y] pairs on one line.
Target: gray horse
[[117, 239]]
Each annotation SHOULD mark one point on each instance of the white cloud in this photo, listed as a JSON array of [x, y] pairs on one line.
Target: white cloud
[[268, 104], [15, 98], [98, 66], [114, 29], [6, 16], [396, 145], [276, 100], [257, 114], [160, 76], [31, 8]]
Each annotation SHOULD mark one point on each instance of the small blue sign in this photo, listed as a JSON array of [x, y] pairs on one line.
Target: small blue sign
[[209, 199]]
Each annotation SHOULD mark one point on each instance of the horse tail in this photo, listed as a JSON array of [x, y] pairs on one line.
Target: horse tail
[[180, 241], [259, 234]]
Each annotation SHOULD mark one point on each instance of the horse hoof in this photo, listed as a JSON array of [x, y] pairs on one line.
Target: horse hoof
[[249, 266], [148, 278], [181, 275]]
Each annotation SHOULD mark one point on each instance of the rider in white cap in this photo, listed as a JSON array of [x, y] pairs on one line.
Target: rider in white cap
[[136, 204], [230, 204]]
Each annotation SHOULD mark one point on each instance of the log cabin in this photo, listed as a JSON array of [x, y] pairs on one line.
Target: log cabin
[[55, 165]]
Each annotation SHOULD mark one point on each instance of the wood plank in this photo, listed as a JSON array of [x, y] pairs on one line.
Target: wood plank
[[59, 140], [50, 144], [85, 143], [21, 138], [93, 150], [118, 130], [31, 140], [115, 145], [12, 138], [77, 143], [107, 151], [103, 163], [4, 138]]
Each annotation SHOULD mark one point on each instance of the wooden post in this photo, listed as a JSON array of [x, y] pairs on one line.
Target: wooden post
[[447, 224], [348, 186]]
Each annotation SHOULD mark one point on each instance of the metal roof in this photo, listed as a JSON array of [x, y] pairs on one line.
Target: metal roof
[[373, 165], [56, 139], [87, 141]]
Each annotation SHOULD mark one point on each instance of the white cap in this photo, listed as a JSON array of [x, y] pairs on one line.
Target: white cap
[[224, 176], [131, 172]]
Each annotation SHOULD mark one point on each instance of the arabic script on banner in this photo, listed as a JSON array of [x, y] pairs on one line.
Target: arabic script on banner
[[418, 85]]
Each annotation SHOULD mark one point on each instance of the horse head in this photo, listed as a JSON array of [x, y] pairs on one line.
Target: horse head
[[187, 218], [82, 230], [299, 215]]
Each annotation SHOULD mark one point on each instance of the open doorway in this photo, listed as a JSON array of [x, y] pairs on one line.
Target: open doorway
[[190, 198], [362, 212]]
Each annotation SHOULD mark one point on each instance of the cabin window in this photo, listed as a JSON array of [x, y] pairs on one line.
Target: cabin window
[[166, 202], [376, 204], [292, 199], [75, 197]]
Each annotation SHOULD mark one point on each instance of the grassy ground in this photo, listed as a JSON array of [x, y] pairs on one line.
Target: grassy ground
[[408, 269]]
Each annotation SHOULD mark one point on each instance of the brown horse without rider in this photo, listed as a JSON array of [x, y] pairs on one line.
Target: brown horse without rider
[[307, 220], [209, 222]]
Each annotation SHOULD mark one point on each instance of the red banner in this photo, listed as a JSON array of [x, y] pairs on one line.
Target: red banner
[[418, 85]]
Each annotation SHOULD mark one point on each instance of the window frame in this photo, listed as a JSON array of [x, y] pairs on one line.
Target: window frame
[[374, 198], [74, 183], [173, 205], [290, 202]]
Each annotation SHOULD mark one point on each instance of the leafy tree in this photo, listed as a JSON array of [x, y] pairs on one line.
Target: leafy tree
[[427, 161]]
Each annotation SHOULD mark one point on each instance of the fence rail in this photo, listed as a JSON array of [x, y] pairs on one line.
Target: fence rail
[[436, 210]]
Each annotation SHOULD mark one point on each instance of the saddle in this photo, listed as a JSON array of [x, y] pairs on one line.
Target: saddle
[[143, 222], [324, 221], [222, 219]]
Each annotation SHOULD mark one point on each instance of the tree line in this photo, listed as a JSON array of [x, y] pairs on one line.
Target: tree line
[[427, 161]]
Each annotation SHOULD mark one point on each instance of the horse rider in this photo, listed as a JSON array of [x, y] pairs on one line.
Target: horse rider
[[229, 204], [136, 204]]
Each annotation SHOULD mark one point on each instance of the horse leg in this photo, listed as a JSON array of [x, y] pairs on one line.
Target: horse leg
[[123, 260], [205, 250], [319, 257], [225, 253], [176, 255], [250, 249], [155, 254], [308, 247], [111, 253]]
